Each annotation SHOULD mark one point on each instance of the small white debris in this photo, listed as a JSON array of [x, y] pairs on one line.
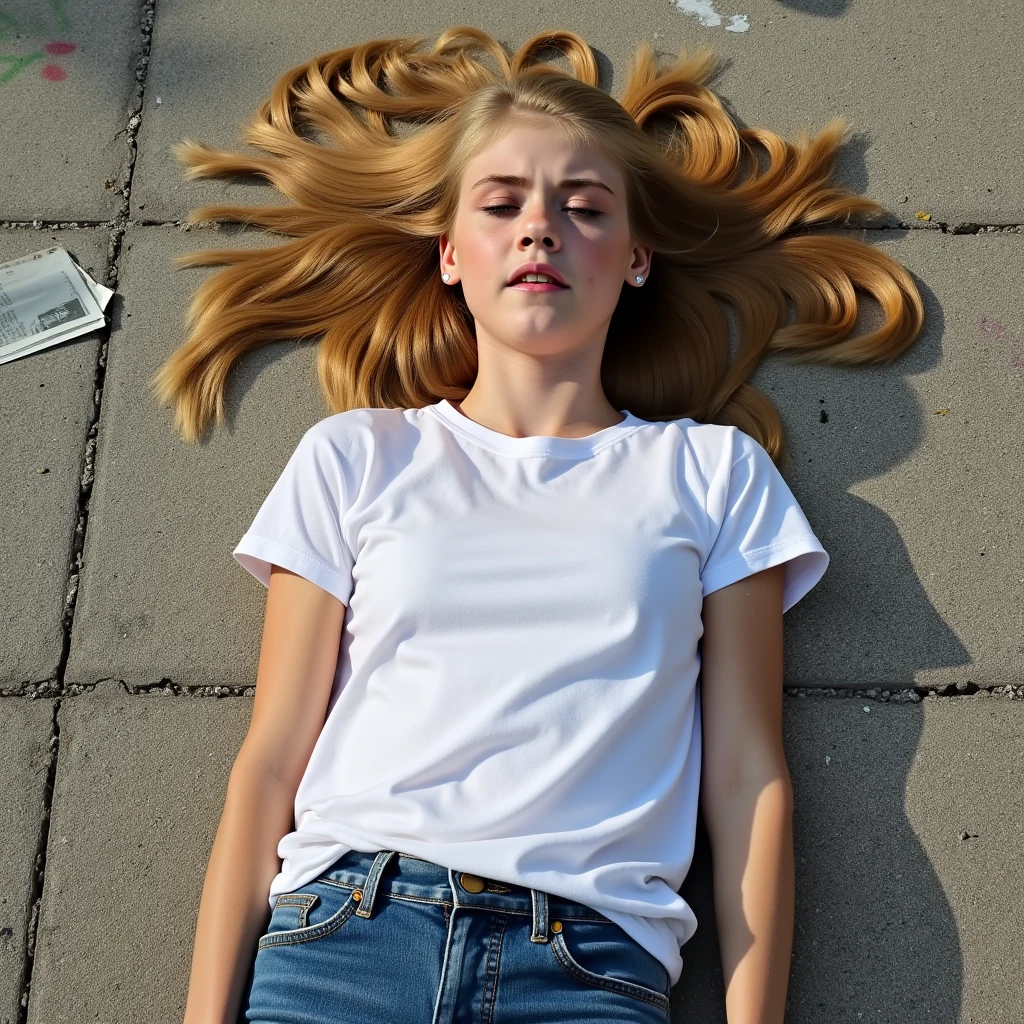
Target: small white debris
[[704, 11], [866, 708]]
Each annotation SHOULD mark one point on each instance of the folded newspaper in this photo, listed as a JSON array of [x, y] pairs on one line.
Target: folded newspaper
[[46, 298]]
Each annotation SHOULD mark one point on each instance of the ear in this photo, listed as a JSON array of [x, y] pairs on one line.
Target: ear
[[641, 264], [447, 260]]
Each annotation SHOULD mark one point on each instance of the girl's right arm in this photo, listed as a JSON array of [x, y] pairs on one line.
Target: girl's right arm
[[298, 659]]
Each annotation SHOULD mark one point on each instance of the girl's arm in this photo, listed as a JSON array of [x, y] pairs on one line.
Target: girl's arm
[[746, 794], [298, 658]]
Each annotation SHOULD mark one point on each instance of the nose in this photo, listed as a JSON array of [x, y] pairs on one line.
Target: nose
[[537, 226]]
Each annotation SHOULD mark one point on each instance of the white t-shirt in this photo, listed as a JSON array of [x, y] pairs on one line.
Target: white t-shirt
[[516, 692]]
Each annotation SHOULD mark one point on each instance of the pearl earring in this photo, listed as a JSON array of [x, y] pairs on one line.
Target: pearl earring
[[639, 279], [444, 277]]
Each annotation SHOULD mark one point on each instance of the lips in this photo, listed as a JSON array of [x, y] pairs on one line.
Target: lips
[[549, 284], [537, 268]]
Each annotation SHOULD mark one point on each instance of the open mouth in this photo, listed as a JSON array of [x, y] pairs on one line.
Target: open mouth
[[538, 286]]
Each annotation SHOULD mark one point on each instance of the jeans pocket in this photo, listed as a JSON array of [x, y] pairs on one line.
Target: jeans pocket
[[600, 953], [315, 910]]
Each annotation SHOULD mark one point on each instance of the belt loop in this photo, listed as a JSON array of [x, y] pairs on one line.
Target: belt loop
[[540, 915], [369, 892], [454, 887]]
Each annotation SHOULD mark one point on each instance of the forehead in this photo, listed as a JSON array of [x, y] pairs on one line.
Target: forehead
[[528, 152]]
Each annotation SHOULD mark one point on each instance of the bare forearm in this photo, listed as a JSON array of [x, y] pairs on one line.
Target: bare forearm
[[751, 832], [234, 909]]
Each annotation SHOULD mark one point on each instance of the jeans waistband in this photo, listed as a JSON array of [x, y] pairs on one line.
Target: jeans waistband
[[402, 874]]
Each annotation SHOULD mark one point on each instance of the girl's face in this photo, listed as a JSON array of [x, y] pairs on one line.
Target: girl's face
[[530, 198]]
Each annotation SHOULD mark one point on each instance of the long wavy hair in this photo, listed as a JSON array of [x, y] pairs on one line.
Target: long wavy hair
[[370, 202]]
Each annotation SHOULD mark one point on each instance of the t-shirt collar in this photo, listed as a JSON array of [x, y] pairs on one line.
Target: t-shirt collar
[[566, 447]]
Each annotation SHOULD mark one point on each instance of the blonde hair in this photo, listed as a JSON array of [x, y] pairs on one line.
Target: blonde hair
[[362, 270]]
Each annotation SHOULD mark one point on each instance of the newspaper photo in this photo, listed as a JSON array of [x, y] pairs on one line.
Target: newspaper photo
[[46, 298]]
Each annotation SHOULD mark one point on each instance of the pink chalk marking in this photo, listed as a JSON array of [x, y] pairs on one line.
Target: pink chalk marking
[[991, 326], [53, 73], [56, 49]]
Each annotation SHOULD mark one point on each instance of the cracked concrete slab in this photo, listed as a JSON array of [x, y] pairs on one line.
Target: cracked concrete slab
[[161, 595], [921, 531], [907, 822], [25, 727], [906, 841], [47, 404], [122, 887], [906, 833], [67, 90], [911, 475], [889, 69], [885, 919]]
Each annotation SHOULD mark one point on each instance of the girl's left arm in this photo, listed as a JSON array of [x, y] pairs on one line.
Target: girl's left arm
[[746, 794]]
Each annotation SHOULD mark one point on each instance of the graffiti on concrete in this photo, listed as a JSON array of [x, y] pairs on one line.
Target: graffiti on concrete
[[11, 28]]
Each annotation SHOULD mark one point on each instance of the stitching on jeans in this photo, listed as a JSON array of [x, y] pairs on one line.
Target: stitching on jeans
[[494, 955], [630, 988], [309, 933]]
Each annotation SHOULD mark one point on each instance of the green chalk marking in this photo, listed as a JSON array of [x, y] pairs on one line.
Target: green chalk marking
[[57, 6], [7, 25], [16, 65]]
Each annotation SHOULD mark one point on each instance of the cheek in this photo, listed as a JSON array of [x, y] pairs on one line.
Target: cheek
[[600, 261], [482, 251]]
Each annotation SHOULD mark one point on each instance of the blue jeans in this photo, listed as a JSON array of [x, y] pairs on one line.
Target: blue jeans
[[388, 938]]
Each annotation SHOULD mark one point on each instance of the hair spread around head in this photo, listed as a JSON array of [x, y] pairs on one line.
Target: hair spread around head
[[369, 143]]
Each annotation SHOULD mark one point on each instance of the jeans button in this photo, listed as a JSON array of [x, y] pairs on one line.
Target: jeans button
[[471, 883]]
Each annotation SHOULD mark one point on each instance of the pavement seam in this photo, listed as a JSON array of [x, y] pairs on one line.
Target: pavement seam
[[39, 869], [914, 694], [122, 222], [117, 229]]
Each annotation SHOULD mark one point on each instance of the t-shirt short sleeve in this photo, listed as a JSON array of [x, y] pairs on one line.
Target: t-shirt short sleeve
[[299, 524], [755, 522]]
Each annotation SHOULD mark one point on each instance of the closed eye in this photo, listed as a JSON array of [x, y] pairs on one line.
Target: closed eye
[[572, 209]]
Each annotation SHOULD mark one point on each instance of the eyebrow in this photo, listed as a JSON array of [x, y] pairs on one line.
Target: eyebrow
[[521, 182]]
